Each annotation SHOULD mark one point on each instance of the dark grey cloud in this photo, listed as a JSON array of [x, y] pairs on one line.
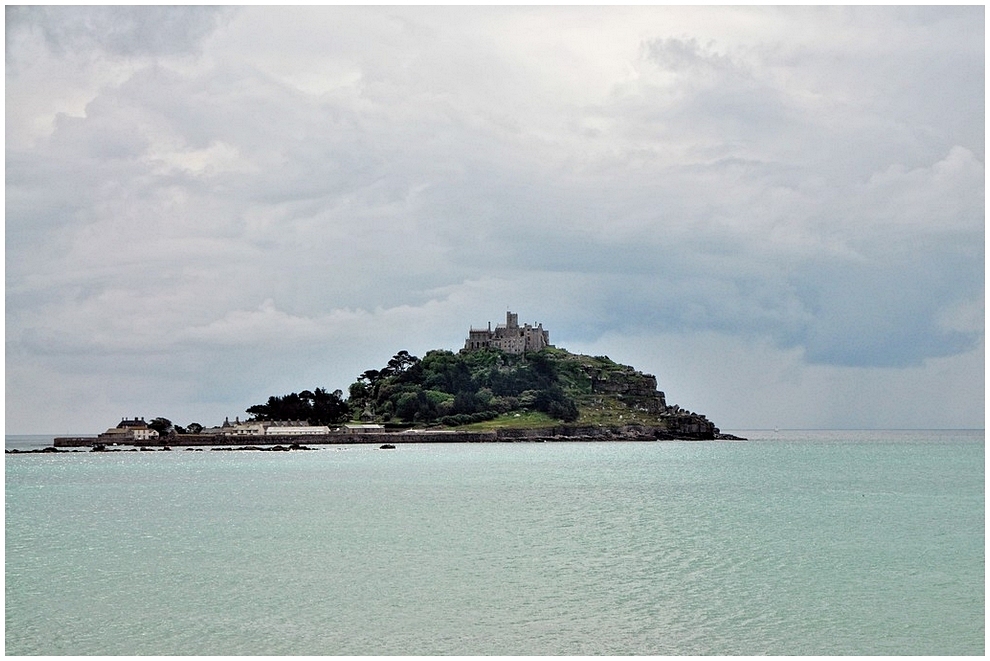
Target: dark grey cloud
[[116, 30]]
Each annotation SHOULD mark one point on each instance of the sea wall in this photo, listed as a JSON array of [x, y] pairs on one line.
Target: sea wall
[[685, 427], [338, 438]]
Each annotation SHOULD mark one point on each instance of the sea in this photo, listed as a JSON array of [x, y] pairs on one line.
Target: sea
[[789, 543]]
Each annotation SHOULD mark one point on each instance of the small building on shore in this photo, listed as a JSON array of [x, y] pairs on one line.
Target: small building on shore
[[272, 428], [127, 431], [238, 428], [363, 429], [296, 429]]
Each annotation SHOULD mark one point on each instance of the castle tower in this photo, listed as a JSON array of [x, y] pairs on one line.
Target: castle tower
[[511, 320]]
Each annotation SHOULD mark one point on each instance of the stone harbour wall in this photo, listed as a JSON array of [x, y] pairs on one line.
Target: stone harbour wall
[[685, 427]]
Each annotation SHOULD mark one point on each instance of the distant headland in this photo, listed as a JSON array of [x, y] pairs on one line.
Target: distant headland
[[506, 384]]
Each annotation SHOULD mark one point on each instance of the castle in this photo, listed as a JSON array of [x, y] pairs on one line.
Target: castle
[[509, 337]]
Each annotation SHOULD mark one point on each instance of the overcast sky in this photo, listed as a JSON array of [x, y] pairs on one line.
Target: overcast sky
[[779, 212]]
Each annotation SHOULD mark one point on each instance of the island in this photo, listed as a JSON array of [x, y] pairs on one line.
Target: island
[[507, 384]]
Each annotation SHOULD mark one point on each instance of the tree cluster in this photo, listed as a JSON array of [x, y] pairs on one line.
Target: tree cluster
[[317, 407], [454, 389], [165, 428]]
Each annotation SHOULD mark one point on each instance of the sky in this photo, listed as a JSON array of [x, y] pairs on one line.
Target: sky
[[779, 212]]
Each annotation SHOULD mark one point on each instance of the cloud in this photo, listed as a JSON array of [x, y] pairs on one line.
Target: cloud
[[755, 385], [117, 30], [264, 199]]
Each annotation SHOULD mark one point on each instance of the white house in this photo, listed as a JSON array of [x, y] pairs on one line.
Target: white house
[[363, 429], [272, 428], [128, 430], [297, 430], [243, 428]]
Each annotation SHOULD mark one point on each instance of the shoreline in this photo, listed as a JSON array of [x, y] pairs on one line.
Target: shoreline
[[640, 433], [268, 447]]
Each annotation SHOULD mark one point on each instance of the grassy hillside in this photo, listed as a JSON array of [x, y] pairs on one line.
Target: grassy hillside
[[490, 389]]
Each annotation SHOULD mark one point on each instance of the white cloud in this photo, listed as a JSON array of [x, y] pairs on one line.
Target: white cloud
[[943, 198], [266, 199]]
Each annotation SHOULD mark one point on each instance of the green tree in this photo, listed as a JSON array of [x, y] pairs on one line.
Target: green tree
[[163, 426], [317, 407], [463, 387]]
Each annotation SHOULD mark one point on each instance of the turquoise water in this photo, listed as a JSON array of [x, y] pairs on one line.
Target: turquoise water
[[790, 543]]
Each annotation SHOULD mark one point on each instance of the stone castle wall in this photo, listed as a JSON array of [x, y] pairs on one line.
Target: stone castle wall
[[510, 337]]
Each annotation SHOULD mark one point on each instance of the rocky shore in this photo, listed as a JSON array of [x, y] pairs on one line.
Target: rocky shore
[[103, 448]]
